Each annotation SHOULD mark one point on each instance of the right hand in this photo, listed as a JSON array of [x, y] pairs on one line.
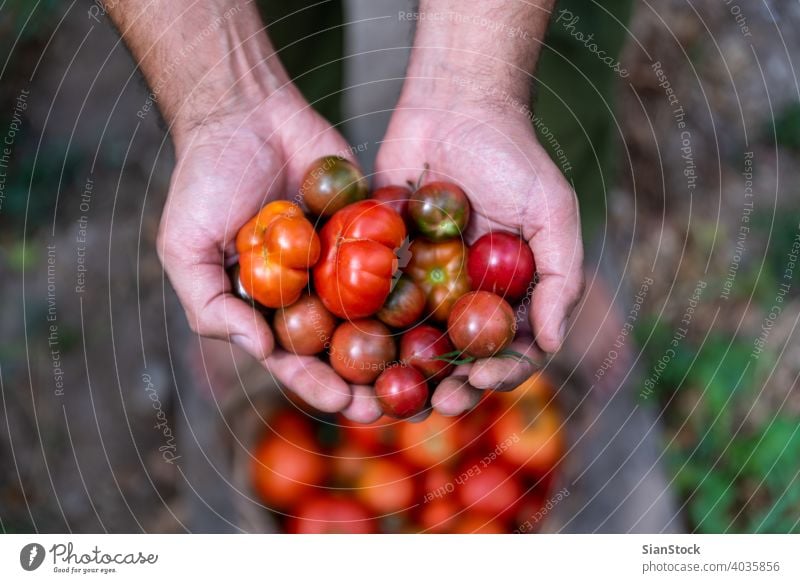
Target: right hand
[[228, 167]]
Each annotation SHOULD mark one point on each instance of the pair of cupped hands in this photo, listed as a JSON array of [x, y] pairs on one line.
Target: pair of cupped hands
[[231, 164]]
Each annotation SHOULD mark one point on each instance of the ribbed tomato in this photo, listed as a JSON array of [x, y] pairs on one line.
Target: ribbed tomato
[[354, 275], [276, 249]]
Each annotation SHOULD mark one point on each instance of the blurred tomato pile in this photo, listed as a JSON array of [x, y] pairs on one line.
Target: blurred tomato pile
[[488, 471]]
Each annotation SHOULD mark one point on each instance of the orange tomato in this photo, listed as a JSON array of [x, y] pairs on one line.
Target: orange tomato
[[439, 516], [439, 269], [430, 442], [385, 487], [489, 489], [286, 468], [276, 249]]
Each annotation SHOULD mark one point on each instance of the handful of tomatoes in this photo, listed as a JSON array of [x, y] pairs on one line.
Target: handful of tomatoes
[[385, 285]]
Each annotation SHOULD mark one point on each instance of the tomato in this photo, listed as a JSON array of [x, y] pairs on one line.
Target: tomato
[[501, 263], [276, 248], [374, 438], [385, 487], [481, 324], [329, 514], [360, 350], [286, 468], [402, 391], [439, 516], [439, 269], [490, 489], [347, 462], [405, 304], [431, 442], [305, 327], [439, 210], [535, 427], [330, 184], [396, 197], [420, 347], [354, 275]]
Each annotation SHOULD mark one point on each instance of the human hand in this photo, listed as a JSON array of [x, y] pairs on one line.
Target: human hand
[[228, 167], [489, 148]]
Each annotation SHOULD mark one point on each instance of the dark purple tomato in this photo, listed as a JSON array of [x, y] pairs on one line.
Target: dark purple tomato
[[401, 391], [405, 304], [332, 183], [481, 324], [439, 211], [420, 347], [396, 197], [501, 263]]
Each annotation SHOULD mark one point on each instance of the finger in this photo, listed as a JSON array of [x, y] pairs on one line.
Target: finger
[[553, 232], [507, 373], [310, 379], [455, 395], [364, 408]]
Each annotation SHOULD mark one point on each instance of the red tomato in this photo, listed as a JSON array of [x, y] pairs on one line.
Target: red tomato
[[361, 350], [286, 468], [489, 489], [330, 184], [385, 487], [439, 516], [396, 197], [402, 391], [439, 210], [276, 248], [375, 438], [420, 347], [329, 514], [431, 442], [503, 264], [354, 275], [439, 270], [305, 327], [481, 324], [405, 304]]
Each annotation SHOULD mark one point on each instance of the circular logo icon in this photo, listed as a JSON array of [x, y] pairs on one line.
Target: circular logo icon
[[31, 556]]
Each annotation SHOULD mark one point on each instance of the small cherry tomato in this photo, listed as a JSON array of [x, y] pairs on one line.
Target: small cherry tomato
[[420, 347], [330, 514], [354, 275], [481, 324], [440, 270], [503, 264], [405, 304], [401, 391], [331, 183], [396, 197], [276, 248], [439, 210], [305, 327], [361, 350]]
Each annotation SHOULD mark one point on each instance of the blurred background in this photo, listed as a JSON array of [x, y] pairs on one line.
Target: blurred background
[[116, 418]]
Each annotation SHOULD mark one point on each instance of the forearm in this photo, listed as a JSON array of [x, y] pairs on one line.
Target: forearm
[[201, 58], [495, 41]]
